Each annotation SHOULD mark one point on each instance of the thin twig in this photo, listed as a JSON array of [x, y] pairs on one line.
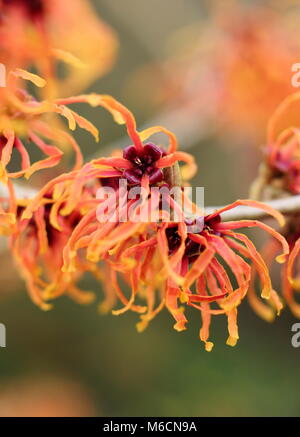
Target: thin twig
[[285, 205]]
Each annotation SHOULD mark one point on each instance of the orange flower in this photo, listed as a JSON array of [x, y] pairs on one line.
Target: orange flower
[[256, 51], [37, 246], [37, 32], [194, 258], [232, 68], [138, 163], [24, 123], [281, 171], [168, 265], [280, 177], [137, 160]]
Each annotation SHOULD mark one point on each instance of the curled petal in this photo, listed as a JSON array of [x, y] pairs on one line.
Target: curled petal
[[286, 115], [120, 113], [255, 223], [232, 327], [172, 295], [258, 261], [34, 78], [198, 268], [145, 134], [115, 162]]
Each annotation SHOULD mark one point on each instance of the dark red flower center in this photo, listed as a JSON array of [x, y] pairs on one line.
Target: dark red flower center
[[281, 163], [143, 163], [292, 232], [286, 169], [192, 248], [34, 8]]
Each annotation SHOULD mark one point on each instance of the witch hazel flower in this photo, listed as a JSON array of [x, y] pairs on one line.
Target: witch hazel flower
[[170, 265], [279, 173], [280, 177], [166, 262], [37, 246], [199, 261], [139, 161], [200, 258]]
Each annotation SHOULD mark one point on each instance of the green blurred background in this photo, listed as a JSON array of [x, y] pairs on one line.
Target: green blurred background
[[73, 361]]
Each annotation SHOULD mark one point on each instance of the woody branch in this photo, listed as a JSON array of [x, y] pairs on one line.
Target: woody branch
[[286, 205]]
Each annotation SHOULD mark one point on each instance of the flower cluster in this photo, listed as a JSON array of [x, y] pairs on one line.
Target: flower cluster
[[192, 262], [126, 218]]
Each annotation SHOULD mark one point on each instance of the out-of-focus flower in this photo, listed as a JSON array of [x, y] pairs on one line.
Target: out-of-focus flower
[[284, 161], [45, 396], [37, 33], [37, 246], [233, 69], [279, 176], [279, 173], [254, 66]]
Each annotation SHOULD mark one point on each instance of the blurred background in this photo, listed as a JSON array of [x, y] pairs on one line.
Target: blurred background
[[213, 74]]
